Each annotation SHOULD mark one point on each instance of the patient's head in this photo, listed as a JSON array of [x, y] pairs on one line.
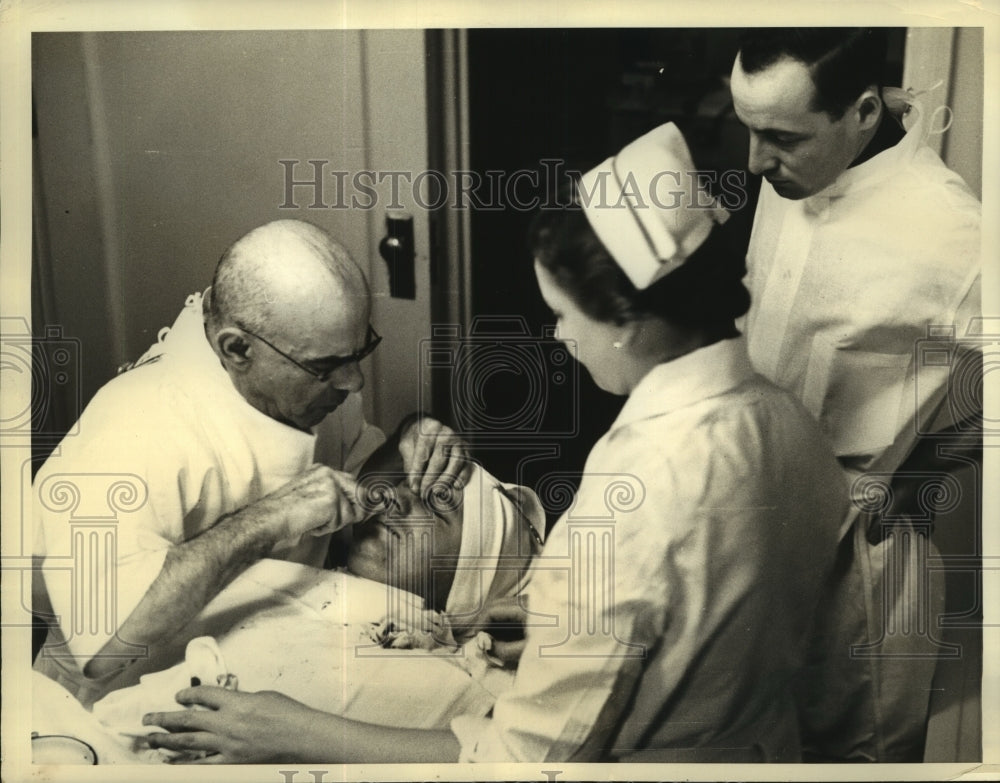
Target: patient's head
[[414, 544]]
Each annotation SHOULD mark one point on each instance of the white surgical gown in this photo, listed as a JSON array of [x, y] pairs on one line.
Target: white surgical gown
[[860, 294], [160, 453]]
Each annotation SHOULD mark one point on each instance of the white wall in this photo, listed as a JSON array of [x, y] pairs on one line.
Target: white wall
[[963, 144], [954, 57], [157, 150]]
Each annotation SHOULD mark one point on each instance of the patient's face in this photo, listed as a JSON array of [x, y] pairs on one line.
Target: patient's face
[[413, 545]]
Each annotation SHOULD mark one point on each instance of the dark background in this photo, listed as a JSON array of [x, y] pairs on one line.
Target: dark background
[[579, 95]]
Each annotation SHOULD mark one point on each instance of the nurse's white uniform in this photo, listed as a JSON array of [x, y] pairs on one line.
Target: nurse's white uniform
[[670, 604]]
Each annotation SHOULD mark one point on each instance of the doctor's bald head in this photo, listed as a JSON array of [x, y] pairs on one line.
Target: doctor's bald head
[[285, 265], [288, 315]]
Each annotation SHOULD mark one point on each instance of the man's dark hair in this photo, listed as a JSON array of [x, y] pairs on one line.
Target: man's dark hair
[[843, 61]]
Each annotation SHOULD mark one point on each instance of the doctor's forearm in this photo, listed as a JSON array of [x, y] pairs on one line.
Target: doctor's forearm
[[193, 573]]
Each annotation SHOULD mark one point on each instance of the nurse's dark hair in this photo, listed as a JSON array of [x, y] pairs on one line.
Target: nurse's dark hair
[[705, 293], [843, 61]]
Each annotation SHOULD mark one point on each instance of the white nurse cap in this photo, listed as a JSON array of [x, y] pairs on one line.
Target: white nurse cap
[[647, 207]]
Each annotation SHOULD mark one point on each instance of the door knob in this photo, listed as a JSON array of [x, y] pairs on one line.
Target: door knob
[[397, 249]]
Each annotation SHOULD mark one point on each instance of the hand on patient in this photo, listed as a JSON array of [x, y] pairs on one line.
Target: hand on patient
[[263, 727], [315, 502], [434, 457], [237, 727], [411, 539], [319, 500]]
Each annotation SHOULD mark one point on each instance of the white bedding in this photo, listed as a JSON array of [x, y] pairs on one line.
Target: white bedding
[[306, 633]]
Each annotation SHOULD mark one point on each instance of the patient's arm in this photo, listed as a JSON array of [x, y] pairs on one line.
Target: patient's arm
[[196, 570], [249, 728]]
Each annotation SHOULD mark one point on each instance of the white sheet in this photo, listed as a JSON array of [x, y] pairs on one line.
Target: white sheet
[[304, 632]]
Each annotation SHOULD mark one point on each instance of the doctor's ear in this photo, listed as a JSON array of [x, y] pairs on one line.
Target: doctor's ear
[[233, 347], [869, 108]]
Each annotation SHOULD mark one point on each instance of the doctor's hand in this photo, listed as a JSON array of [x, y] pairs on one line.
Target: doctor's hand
[[434, 457], [238, 727], [319, 500]]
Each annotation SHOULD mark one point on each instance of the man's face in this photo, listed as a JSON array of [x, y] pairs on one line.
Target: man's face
[[286, 391], [414, 545], [798, 150]]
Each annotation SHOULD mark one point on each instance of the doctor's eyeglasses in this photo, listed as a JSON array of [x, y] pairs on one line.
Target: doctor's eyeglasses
[[325, 366]]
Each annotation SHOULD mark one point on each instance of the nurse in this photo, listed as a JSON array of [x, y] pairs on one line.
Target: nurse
[[679, 639]]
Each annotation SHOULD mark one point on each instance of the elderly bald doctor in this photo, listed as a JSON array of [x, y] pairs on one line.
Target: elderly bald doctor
[[240, 429]]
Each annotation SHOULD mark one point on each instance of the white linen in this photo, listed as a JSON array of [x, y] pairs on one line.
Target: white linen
[[305, 632], [503, 527], [670, 602]]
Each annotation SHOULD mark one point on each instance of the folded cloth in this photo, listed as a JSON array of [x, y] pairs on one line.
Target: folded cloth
[[304, 632], [55, 712], [503, 527], [425, 630], [203, 664]]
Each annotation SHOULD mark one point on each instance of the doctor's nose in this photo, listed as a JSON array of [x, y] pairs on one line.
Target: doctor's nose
[[761, 159], [349, 378]]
